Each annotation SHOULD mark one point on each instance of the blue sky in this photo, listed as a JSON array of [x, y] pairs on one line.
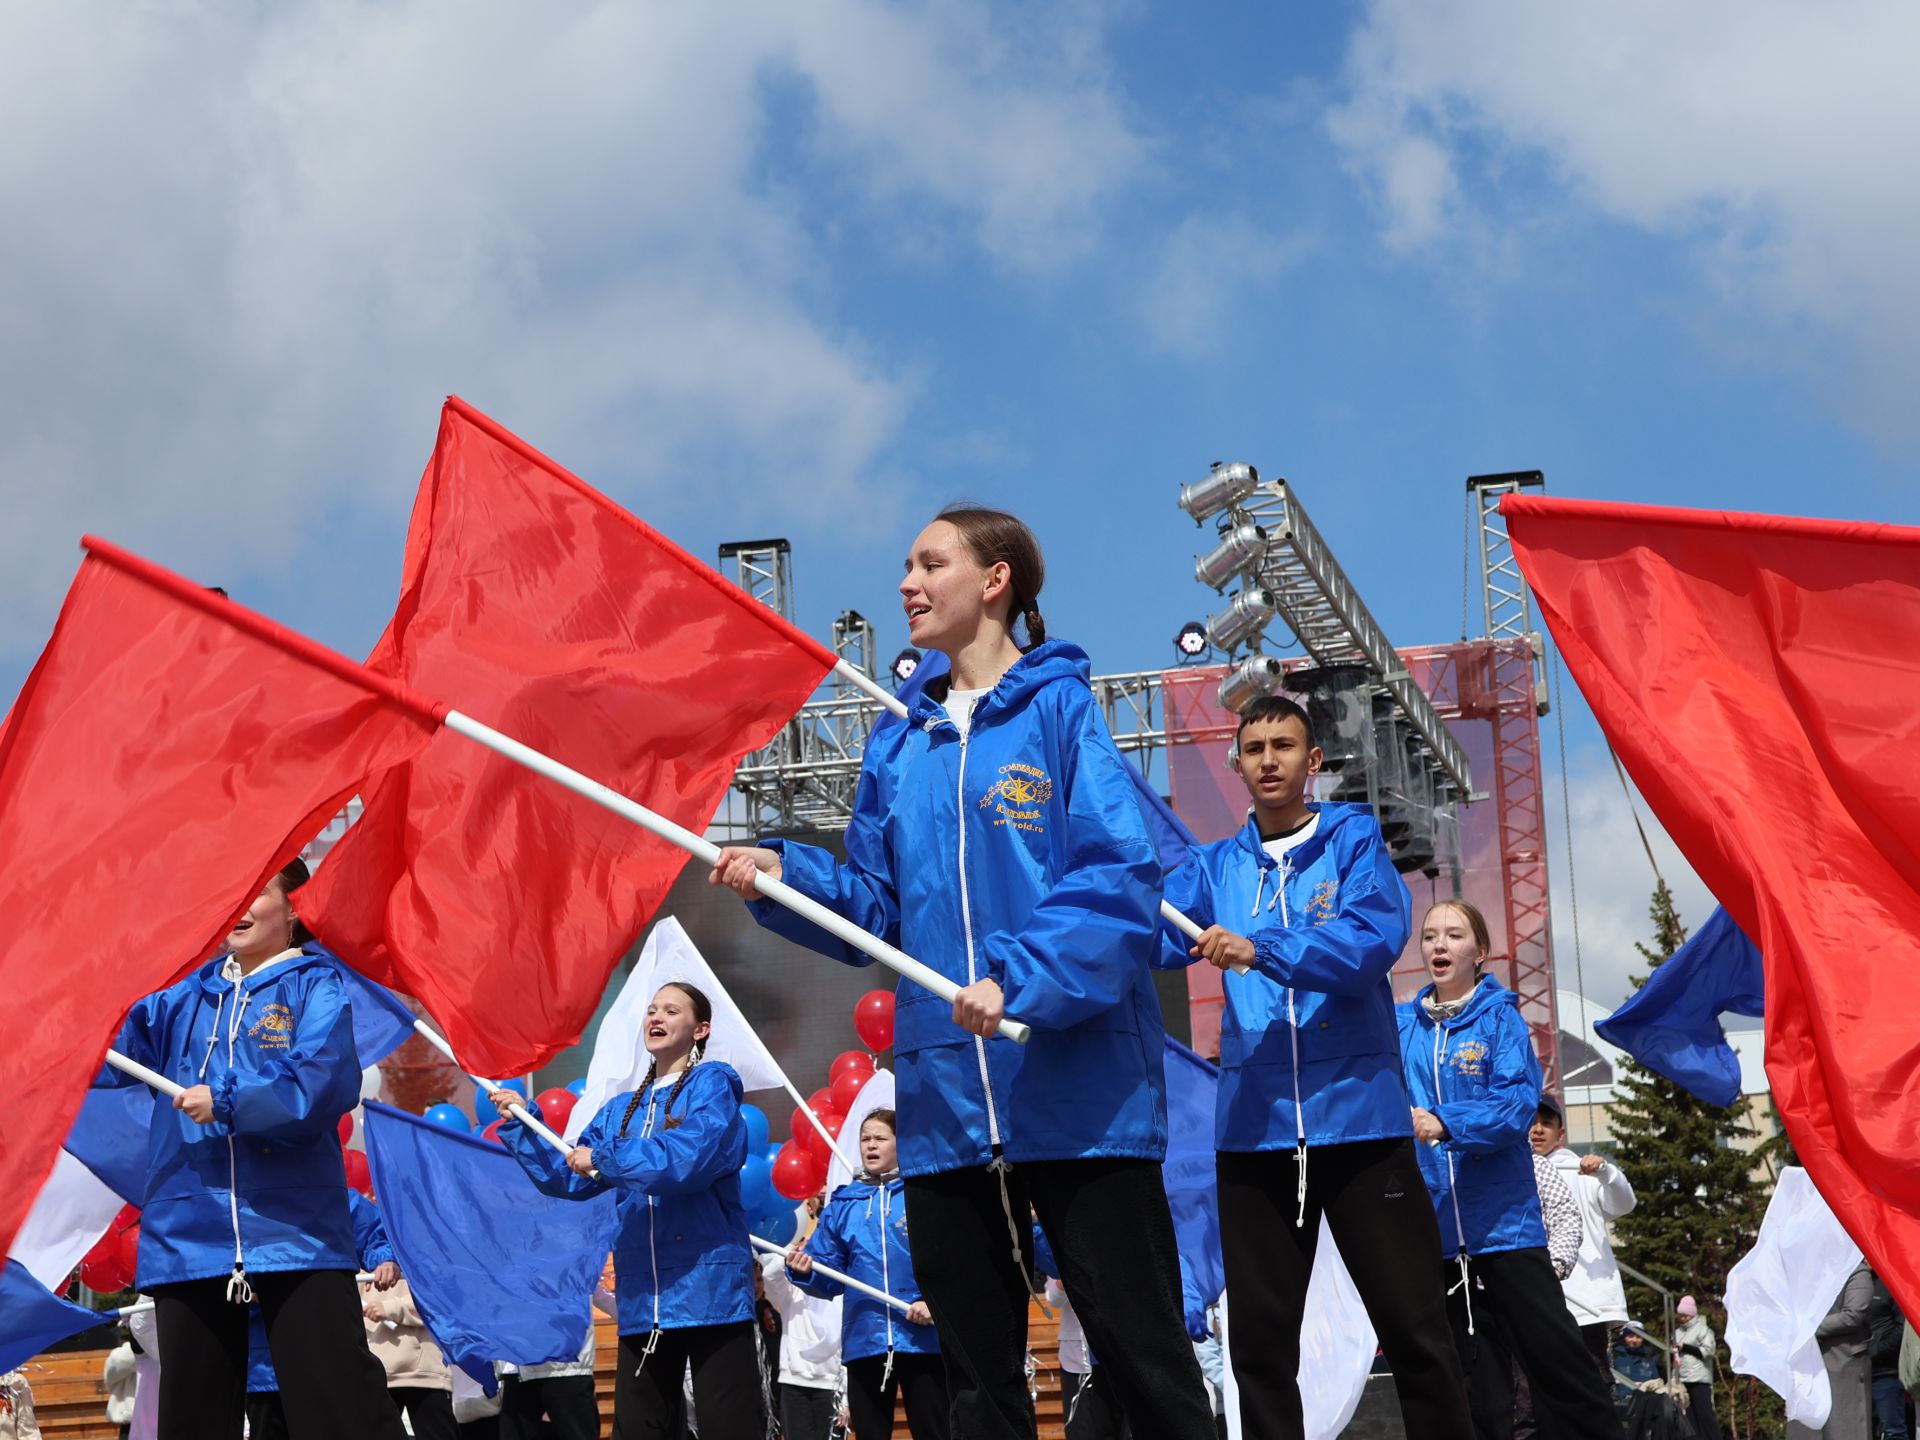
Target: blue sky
[[814, 270]]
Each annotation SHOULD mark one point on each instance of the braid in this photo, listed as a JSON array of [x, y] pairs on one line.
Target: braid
[[699, 1052], [1036, 627], [634, 1103]]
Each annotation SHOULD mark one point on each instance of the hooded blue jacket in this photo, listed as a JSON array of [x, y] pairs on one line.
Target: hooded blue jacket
[[1308, 1048], [1477, 1072], [863, 1233], [1017, 854], [370, 1236], [681, 1255], [262, 1187]]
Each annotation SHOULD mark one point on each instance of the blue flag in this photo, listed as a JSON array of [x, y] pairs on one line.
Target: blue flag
[[1672, 1025], [381, 1020], [32, 1317], [1172, 840], [498, 1270], [110, 1136], [1192, 1085]]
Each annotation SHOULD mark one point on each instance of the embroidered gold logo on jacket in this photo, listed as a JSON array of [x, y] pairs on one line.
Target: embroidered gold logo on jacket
[[1018, 795], [1322, 904], [274, 1029]]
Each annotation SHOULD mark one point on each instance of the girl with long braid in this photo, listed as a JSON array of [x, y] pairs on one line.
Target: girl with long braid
[[671, 1153]]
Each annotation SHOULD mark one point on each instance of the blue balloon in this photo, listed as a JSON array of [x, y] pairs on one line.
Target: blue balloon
[[779, 1227], [450, 1116], [481, 1104], [756, 1184], [757, 1129], [577, 1088], [774, 1147]]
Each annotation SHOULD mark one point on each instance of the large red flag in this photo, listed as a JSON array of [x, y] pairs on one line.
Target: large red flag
[[1760, 678], [167, 755], [534, 604]]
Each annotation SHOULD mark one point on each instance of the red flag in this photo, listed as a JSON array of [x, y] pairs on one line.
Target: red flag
[[168, 754], [1760, 678], [534, 604]]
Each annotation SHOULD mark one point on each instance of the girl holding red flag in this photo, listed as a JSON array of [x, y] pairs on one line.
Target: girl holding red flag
[[996, 837], [671, 1153], [246, 1195]]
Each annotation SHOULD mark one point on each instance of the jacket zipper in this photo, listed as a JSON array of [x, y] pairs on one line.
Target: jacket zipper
[[653, 1253], [238, 1290], [1453, 1187], [1293, 1035], [966, 922], [886, 1283]]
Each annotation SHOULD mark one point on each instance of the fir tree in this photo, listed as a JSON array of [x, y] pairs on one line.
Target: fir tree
[[1698, 1208]]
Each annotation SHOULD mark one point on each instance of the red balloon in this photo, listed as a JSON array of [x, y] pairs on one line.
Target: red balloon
[[873, 1019], [104, 1275], [820, 1101], [129, 1214], [816, 1145], [129, 1250], [796, 1174], [846, 1088], [555, 1106], [798, 1126], [492, 1132], [848, 1061], [345, 1127], [359, 1174]]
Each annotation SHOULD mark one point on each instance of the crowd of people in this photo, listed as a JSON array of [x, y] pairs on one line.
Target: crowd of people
[[996, 837]]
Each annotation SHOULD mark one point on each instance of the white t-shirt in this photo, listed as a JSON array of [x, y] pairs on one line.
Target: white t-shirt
[[960, 705], [1280, 845]]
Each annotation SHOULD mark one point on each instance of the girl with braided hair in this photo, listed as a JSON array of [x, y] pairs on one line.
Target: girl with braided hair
[[671, 1153]]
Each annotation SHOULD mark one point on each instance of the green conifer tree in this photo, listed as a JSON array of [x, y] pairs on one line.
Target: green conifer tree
[[1698, 1207]]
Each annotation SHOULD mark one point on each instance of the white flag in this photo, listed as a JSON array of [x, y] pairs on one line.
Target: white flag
[[1336, 1347], [876, 1094], [620, 1056], [1782, 1289], [69, 1217]]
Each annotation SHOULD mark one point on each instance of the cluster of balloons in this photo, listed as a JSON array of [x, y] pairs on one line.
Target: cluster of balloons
[[108, 1267]]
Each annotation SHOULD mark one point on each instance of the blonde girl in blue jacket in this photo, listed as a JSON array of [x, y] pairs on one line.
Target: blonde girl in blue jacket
[[246, 1194], [671, 1153], [996, 837], [1307, 915], [1475, 1083]]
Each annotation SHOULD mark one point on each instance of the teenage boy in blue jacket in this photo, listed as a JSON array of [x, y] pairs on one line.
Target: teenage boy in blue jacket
[[1306, 915]]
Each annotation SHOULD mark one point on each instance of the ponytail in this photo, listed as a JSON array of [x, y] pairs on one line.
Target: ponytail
[[994, 537]]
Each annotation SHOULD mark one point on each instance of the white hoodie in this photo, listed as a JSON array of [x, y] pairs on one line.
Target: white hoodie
[[1594, 1291]]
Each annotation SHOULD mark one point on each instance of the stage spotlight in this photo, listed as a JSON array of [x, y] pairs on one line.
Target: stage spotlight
[[904, 664], [1246, 617], [1248, 681], [1225, 485], [1191, 643], [1238, 550]]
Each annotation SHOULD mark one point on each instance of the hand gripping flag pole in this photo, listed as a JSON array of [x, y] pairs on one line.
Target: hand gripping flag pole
[[440, 714], [768, 1247]]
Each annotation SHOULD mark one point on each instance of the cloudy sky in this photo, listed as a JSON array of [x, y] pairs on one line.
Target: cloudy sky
[[812, 270]]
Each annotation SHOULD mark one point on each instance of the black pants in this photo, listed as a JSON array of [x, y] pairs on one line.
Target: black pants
[[266, 1417], [1111, 1231], [726, 1383], [1519, 1311], [1087, 1400], [330, 1384], [429, 1411], [1706, 1424], [921, 1378], [1381, 1218], [1598, 1338], [806, 1412], [567, 1402]]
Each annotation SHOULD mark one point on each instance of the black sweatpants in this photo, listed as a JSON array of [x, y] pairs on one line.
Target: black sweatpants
[[806, 1412], [568, 1402], [923, 1380], [726, 1383], [1087, 1400], [1381, 1218], [1518, 1310], [1706, 1425], [428, 1410], [1112, 1234], [330, 1384], [1598, 1338]]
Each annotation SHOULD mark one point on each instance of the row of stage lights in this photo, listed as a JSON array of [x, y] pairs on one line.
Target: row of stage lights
[[1239, 552]]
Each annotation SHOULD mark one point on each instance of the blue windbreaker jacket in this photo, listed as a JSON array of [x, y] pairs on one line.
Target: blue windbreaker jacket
[[863, 1233], [1479, 1075], [681, 1255], [1308, 1048], [1018, 854], [370, 1236], [263, 1187]]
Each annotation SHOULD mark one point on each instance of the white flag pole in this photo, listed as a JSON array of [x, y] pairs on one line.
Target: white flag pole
[[520, 1112], [704, 850], [141, 1072], [768, 1247]]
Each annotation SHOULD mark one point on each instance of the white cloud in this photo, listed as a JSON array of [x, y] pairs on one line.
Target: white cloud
[[1208, 266], [249, 250], [1772, 137]]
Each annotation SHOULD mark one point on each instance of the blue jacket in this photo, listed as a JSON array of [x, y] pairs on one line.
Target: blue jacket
[[1017, 854], [277, 1050], [1479, 1075], [1327, 928], [863, 1233], [370, 1236], [681, 1256]]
